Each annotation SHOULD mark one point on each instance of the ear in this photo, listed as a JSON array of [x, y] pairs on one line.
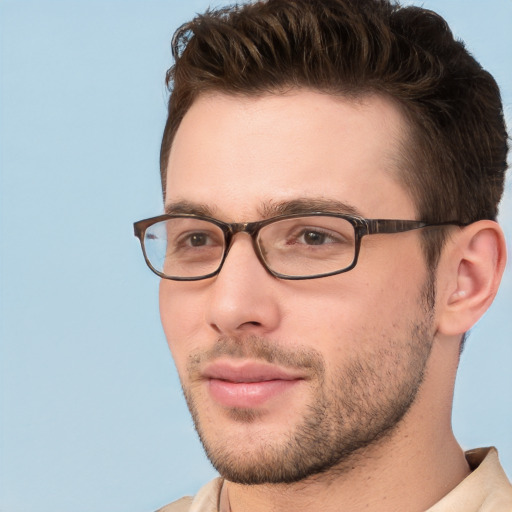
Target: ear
[[469, 274]]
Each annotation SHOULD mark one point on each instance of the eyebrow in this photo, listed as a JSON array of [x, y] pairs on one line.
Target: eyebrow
[[189, 207], [271, 208], [307, 205]]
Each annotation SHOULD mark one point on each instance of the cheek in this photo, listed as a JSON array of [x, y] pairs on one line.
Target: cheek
[[392, 274], [181, 314], [353, 310]]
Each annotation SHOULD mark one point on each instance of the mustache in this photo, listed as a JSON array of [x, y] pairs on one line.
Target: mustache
[[261, 349]]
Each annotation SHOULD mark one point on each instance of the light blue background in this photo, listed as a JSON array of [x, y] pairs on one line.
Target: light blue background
[[92, 417]]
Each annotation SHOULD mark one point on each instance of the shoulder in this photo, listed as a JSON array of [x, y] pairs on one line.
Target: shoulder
[[181, 505], [206, 500]]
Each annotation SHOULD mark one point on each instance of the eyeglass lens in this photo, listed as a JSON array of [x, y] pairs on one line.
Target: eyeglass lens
[[299, 246]]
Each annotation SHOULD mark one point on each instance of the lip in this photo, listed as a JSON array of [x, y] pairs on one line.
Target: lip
[[248, 384]]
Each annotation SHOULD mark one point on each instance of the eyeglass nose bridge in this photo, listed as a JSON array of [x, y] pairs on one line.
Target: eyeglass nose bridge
[[252, 229]]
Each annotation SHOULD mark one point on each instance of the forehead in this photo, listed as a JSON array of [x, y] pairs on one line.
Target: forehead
[[234, 154]]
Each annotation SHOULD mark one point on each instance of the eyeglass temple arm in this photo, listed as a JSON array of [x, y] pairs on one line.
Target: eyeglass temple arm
[[374, 226]]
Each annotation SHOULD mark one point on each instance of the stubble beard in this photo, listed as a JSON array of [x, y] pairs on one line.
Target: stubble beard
[[361, 404]]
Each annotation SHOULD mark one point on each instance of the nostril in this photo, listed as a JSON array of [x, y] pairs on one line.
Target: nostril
[[216, 328]]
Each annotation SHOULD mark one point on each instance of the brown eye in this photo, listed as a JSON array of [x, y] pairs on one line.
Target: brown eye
[[198, 239], [314, 238]]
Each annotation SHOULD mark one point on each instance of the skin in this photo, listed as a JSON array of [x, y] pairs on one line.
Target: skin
[[236, 159]]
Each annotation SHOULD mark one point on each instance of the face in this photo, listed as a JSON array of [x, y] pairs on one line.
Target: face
[[286, 379]]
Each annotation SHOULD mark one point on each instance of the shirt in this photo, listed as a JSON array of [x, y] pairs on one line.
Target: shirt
[[486, 489]]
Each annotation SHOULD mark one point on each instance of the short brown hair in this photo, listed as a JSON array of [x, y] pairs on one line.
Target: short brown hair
[[454, 160]]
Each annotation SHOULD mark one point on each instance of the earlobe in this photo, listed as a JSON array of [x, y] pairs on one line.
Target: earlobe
[[472, 267]]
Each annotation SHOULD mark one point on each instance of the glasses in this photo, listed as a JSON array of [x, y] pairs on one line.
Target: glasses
[[187, 247]]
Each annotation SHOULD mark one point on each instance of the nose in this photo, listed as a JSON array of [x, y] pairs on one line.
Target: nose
[[244, 296]]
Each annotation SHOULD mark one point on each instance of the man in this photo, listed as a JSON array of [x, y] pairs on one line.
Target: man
[[331, 173]]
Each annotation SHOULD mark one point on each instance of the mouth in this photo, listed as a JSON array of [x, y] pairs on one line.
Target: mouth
[[248, 384]]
